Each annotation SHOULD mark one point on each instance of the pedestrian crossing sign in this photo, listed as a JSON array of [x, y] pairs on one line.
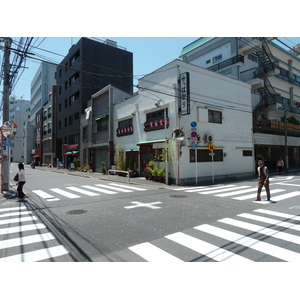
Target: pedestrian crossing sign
[[211, 147]]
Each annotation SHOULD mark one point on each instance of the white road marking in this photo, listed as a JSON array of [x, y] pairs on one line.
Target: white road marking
[[253, 196], [140, 204], [224, 190], [12, 208], [270, 221], [281, 253], [263, 230], [18, 220], [113, 188], [64, 193], [25, 240], [10, 230], [99, 189], [128, 187], [45, 195], [152, 253], [12, 214], [36, 255], [209, 250], [82, 191]]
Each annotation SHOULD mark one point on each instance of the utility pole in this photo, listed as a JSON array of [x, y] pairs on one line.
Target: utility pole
[[6, 91]]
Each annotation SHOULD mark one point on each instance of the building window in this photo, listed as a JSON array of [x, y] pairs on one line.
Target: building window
[[125, 127], [214, 116], [73, 139], [247, 152], [73, 98], [208, 61], [203, 155], [155, 120], [74, 78], [102, 123], [217, 58], [73, 118], [253, 58]]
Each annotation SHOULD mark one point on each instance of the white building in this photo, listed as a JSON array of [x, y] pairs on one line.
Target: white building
[[20, 114], [221, 108], [274, 76], [41, 86]]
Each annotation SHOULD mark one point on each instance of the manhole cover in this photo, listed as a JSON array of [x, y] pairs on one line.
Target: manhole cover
[[178, 196], [76, 212]]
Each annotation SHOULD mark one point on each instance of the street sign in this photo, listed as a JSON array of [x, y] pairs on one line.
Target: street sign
[[193, 124], [7, 142], [194, 134], [211, 147], [194, 145]]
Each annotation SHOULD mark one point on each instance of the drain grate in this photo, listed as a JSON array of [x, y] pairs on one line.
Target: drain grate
[[76, 212], [178, 196]]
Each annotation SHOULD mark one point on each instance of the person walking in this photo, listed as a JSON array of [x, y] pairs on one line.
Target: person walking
[[20, 183], [280, 165], [263, 180]]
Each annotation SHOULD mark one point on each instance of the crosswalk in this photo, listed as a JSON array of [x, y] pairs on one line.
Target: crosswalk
[[74, 192], [262, 235], [23, 238], [240, 192]]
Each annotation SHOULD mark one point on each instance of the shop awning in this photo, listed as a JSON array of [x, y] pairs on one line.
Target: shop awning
[[72, 153], [151, 142], [101, 117], [35, 156]]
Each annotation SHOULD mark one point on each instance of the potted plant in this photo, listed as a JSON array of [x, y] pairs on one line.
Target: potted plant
[[103, 167], [155, 173], [161, 175]]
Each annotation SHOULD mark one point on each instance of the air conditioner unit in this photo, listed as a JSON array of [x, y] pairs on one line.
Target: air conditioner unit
[[209, 138], [199, 139]]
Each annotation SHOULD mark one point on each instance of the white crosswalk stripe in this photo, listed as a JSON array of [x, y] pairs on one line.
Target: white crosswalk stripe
[[56, 194], [240, 193], [19, 229], [219, 241]]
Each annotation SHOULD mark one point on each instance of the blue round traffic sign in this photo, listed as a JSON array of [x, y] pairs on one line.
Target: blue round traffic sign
[[194, 124]]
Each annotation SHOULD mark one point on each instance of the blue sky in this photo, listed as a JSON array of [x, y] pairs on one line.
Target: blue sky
[[149, 53]]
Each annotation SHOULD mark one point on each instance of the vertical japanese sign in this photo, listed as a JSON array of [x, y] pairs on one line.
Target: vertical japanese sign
[[184, 105]]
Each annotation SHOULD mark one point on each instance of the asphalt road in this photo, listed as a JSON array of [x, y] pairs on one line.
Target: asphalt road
[[91, 219]]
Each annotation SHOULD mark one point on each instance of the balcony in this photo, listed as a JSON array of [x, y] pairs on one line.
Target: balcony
[[249, 46], [276, 127], [288, 79], [228, 62]]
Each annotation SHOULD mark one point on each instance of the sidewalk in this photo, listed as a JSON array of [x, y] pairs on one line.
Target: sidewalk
[[100, 176]]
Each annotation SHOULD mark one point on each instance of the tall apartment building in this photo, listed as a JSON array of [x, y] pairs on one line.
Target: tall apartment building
[[87, 68], [20, 114], [274, 76], [41, 85]]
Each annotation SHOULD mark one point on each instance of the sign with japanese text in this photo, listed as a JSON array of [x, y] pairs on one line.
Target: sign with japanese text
[[184, 105]]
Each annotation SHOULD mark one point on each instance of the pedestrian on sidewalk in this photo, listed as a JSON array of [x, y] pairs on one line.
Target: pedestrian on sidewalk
[[20, 183], [263, 180], [280, 165]]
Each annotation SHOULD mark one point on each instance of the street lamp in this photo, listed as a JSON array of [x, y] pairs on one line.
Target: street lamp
[[157, 104]]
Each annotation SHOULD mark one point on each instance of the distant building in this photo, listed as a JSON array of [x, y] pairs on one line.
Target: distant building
[[87, 68], [41, 85], [20, 114]]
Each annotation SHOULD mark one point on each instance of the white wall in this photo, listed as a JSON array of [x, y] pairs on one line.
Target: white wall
[[208, 89]]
